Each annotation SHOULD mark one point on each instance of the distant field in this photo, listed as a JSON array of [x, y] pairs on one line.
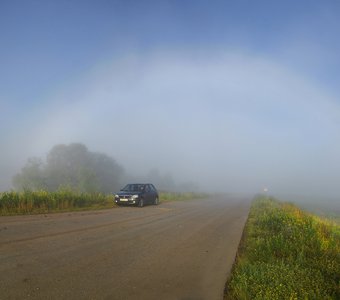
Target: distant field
[[325, 207], [286, 253], [330, 211], [32, 202]]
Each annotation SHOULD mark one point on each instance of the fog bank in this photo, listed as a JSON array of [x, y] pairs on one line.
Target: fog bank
[[229, 121]]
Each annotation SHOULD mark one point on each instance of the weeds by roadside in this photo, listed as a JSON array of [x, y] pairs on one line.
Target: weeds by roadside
[[29, 202], [66, 199], [286, 253]]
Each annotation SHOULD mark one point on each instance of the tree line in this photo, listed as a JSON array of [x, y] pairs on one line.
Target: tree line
[[72, 166]]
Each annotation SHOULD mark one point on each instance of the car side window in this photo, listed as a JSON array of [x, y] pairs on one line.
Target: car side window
[[147, 188], [152, 188]]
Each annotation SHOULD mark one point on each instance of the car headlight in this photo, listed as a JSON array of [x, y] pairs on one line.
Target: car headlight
[[116, 196], [134, 197]]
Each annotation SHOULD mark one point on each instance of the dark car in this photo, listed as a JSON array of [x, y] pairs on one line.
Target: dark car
[[138, 194]]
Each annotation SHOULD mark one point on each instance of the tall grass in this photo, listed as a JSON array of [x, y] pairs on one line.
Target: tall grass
[[286, 253], [28, 202], [65, 199]]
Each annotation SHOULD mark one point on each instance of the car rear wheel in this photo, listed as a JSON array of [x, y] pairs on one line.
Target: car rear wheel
[[156, 201], [141, 203]]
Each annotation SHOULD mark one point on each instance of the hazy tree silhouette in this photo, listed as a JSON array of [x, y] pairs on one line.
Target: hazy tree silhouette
[[73, 166]]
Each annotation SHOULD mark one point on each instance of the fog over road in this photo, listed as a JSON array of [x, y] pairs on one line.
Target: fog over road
[[177, 250]]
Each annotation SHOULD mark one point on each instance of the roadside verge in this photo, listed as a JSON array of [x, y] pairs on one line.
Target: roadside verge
[[285, 253]]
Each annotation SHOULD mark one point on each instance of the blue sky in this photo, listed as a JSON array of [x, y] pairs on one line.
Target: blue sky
[[243, 93]]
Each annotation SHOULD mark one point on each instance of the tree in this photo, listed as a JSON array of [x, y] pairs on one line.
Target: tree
[[108, 172], [73, 166], [64, 163], [163, 182], [87, 180], [31, 176]]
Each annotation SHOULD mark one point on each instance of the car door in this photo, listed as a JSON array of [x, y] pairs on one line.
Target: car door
[[154, 193], [148, 194]]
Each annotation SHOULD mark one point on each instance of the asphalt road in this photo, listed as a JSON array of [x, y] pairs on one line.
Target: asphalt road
[[176, 250]]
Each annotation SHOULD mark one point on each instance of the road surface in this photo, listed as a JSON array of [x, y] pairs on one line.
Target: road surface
[[176, 250]]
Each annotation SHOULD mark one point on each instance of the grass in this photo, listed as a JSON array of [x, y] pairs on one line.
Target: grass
[[30, 202], [286, 253], [65, 199]]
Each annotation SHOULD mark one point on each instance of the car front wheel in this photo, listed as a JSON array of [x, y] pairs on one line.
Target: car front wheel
[[156, 202], [141, 203]]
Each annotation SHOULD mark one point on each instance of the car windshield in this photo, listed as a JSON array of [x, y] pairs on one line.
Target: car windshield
[[133, 187]]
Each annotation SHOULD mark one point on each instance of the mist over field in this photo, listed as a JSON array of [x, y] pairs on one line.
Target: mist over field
[[215, 107]]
